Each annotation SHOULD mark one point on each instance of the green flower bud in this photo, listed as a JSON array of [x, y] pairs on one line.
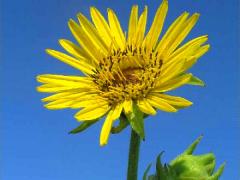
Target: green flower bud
[[187, 166]]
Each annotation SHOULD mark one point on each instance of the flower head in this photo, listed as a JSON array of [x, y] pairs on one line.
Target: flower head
[[122, 70]]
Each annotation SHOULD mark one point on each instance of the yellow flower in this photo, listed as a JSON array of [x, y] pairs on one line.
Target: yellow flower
[[122, 69]]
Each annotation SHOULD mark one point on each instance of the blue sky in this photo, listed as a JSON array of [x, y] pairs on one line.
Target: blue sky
[[34, 141]]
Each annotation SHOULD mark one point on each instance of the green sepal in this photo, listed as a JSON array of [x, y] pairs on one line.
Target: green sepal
[[218, 173], [161, 174], [84, 125], [152, 177], [191, 148], [146, 172], [196, 81], [123, 123], [136, 121]]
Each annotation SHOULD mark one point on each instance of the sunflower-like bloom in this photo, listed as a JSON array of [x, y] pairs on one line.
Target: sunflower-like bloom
[[122, 70]]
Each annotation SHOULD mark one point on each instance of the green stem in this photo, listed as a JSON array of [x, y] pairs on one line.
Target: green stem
[[133, 156]]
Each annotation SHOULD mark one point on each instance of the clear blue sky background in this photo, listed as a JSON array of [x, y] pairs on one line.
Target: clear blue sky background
[[34, 141]]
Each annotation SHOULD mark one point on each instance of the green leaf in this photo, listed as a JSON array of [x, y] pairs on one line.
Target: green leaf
[[196, 81], [136, 120], [84, 125]]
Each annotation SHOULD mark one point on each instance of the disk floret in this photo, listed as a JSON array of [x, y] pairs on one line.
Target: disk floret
[[127, 74]]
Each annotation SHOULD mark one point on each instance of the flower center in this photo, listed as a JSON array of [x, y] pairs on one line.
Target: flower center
[[127, 74]]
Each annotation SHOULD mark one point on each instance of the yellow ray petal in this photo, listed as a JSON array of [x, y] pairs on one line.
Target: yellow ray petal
[[55, 89], [58, 83], [101, 25], [65, 86], [173, 84], [189, 48], [189, 63], [156, 27], [171, 70], [59, 104], [201, 51], [74, 50], [63, 95], [160, 104], [127, 105], [145, 107], [81, 65], [63, 80], [84, 40], [116, 29], [113, 115], [107, 125], [56, 96], [92, 34], [132, 26], [92, 112], [73, 100], [63, 77], [141, 27], [172, 31], [183, 32], [86, 102], [192, 60], [179, 102]]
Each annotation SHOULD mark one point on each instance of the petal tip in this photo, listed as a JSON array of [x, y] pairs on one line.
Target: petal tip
[[48, 51], [103, 142], [165, 1], [37, 89], [109, 10], [71, 22], [77, 118], [61, 41], [80, 15], [93, 9]]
